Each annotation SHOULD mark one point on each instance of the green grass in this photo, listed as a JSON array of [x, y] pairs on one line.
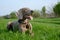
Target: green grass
[[44, 29]]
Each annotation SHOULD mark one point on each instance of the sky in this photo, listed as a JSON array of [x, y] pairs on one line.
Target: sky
[[7, 6]]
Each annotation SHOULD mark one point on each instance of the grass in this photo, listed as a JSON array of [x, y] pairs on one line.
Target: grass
[[44, 29]]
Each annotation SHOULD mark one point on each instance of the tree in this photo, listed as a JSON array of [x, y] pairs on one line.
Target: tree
[[56, 9], [36, 13], [12, 14], [44, 11]]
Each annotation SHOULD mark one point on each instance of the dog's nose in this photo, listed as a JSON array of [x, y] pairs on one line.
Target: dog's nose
[[32, 11]]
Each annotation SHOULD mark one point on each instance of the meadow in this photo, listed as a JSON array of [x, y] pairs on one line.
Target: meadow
[[44, 29]]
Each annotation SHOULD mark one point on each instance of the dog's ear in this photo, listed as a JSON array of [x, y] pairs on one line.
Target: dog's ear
[[19, 14]]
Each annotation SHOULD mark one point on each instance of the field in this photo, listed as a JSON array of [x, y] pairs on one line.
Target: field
[[44, 29]]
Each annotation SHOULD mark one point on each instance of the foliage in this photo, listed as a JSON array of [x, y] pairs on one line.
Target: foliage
[[44, 29], [12, 14], [36, 13], [56, 9], [7, 16], [44, 11]]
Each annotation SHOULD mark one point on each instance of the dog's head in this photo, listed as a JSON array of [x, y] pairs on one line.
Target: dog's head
[[25, 13]]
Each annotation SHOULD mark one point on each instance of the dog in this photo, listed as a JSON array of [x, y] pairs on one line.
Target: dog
[[22, 24]]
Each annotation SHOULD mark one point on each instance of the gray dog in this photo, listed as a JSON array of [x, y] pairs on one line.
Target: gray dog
[[22, 24]]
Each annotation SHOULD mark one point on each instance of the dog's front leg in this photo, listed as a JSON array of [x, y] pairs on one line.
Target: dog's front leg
[[30, 29], [22, 28]]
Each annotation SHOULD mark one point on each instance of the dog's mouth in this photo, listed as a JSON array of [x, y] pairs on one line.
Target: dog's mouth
[[30, 17]]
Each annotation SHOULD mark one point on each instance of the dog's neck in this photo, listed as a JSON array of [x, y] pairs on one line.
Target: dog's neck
[[23, 21]]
